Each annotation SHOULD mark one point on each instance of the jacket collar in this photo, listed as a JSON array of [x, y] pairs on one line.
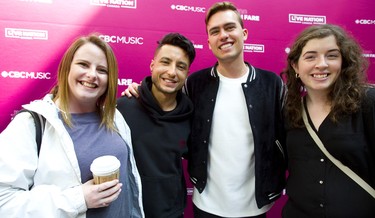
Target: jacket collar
[[251, 77]]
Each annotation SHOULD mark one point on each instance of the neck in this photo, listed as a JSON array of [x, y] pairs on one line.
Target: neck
[[166, 101], [316, 97], [78, 107], [318, 101], [234, 69]]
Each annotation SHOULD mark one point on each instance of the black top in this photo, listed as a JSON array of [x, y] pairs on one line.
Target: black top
[[159, 140], [315, 186], [263, 93]]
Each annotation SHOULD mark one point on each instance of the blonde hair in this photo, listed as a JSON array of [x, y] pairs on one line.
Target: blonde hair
[[106, 105]]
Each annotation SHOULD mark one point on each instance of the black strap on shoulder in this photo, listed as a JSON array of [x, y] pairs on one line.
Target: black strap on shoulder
[[39, 121]]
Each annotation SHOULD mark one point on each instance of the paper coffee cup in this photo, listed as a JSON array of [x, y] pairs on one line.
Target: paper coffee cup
[[105, 168]]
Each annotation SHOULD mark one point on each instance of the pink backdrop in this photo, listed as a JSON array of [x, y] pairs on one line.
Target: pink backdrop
[[35, 33]]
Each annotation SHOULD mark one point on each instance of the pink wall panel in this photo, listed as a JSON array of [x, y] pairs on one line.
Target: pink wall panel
[[35, 33]]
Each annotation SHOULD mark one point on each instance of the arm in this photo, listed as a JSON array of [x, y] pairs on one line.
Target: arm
[[132, 90], [51, 197]]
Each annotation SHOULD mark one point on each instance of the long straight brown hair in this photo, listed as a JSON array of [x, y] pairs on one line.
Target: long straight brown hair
[[106, 104]]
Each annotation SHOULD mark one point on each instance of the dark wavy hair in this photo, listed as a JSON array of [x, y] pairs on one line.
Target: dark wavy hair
[[178, 40], [346, 93]]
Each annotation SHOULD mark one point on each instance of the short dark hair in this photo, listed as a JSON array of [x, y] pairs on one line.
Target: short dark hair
[[178, 40]]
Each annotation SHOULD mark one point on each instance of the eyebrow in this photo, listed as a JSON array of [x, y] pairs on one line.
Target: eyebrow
[[165, 58], [313, 52], [225, 25], [183, 63], [86, 61]]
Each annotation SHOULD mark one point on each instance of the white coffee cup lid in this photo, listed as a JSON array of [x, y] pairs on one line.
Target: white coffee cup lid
[[105, 164]]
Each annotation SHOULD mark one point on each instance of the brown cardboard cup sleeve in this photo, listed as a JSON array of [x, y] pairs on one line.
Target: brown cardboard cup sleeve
[[105, 168]]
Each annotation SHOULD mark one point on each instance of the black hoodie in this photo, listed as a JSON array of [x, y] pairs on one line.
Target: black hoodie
[[159, 142]]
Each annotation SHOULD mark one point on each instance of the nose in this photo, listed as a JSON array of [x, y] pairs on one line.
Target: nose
[[172, 71], [322, 62], [91, 72], [223, 34]]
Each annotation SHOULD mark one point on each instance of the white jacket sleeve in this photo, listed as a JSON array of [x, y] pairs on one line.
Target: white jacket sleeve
[[18, 164]]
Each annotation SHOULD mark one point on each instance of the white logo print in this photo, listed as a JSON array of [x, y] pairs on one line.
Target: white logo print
[[307, 19], [26, 34], [115, 3], [13, 74], [132, 40], [253, 48], [365, 21], [188, 8]]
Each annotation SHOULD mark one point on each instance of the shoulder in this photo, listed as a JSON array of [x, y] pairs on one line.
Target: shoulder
[[201, 78], [370, 93], [125, 104], [267, 77], [124, 101], [267, 74], [369, 98], [206, 72], [46, 107]]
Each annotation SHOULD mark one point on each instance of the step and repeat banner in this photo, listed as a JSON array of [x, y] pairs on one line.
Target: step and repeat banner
[[34, 34]]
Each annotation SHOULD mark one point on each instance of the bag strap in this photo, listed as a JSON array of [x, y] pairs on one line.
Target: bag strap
[[341, 166], [40, 122]]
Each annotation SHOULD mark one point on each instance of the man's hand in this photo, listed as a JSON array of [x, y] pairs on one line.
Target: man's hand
[[131, 91], [101, 195]]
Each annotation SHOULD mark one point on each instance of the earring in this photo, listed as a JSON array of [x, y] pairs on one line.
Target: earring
[[297, 75]]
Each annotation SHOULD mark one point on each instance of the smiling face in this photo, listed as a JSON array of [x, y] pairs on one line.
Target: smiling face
[[319, 64], [88, 78], [226, 36], [169, 70]]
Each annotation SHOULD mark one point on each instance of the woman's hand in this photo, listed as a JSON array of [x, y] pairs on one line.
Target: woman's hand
[[101, 195]]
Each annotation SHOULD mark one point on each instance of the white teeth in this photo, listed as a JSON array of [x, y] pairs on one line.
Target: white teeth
[[90, 85], [169, 80], [320, 75], [225, 46]]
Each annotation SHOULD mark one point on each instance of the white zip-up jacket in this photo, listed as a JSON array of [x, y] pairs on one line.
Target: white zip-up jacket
[[54, 176]]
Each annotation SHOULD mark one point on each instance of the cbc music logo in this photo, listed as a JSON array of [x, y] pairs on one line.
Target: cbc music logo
[[253, 48], [188, 8], [307, 19], [13, 74], [129, 40], [115, 3], [364, 21]]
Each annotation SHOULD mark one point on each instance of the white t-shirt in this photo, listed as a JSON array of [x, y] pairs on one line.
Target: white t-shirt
[[230, 188]]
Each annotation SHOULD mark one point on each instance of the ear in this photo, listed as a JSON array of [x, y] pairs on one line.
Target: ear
[[295, 67], [151, 65], [208, 42], [245, 34]]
